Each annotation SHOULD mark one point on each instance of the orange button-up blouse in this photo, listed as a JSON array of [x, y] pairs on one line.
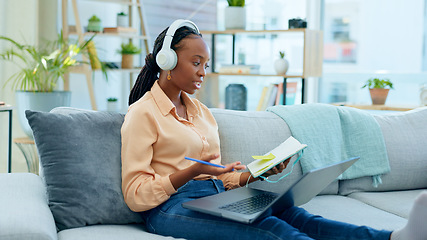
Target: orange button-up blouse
[[155, 141]]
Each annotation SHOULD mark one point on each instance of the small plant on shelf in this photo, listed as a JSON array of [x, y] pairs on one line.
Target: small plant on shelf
[[236, 3], [378, 89], [129, 48], [378, 83], [127, 51], [94, 24]]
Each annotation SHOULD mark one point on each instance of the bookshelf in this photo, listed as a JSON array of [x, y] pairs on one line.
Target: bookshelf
[[78, 31], [312, 54]]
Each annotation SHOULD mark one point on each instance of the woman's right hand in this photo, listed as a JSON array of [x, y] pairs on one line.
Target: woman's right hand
[[200, 168], [181, 177]]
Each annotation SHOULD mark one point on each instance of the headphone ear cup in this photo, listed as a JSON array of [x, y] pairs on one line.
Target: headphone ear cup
[[166, 59]]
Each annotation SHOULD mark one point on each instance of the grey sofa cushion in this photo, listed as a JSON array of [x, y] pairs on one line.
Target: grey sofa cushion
[[81, 161], [110, 232], [244, 134], [24, 210], [395, 202], [404, 134], [352, 211]]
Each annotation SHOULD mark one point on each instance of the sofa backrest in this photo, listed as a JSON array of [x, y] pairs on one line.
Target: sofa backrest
[[404, 134], [247, 133]]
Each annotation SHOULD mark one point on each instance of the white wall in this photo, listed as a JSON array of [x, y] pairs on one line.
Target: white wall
[[392, 35], [18, 21], [389, 36]]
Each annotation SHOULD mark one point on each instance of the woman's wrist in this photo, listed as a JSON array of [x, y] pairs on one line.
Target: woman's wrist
[[181, 177]]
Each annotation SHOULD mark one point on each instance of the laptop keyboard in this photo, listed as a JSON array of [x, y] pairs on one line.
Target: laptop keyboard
[[250, 205]]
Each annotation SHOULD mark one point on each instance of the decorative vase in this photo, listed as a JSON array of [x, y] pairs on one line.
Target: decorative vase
[[281, 66], [378, 95], [122, 20], [39, 101], [127, 61], [236, 97], [235, 17]]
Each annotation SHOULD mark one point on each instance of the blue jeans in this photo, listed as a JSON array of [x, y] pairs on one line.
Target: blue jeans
[[171, 219]]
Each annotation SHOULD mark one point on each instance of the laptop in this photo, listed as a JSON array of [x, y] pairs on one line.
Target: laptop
[[247, 204]]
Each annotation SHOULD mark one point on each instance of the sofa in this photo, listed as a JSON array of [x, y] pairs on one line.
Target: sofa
[[77, 194]]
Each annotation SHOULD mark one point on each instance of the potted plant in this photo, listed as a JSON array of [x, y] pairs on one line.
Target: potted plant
[[281, 65], [235, 15], [40, 69], [127, 51], [112, 104], [122, 20], [378, 88], [94, 24]]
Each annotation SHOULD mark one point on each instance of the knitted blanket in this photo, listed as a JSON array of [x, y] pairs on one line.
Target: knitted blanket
[[336, 133]]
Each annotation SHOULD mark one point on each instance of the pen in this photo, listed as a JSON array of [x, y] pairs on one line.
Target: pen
[[207, 163]]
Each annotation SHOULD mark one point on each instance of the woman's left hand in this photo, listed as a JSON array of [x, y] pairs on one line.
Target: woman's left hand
[[277, 169]]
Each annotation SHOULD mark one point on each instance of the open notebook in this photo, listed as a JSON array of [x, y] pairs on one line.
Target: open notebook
[[282, 152]]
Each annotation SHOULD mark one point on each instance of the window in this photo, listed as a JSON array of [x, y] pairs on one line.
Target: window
[[365, 39]]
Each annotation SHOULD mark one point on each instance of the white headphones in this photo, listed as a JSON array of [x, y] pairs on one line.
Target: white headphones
[[166, 58]]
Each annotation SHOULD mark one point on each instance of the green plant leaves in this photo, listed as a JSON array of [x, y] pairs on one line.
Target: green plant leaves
[[42, 66], [236, 3], [378, 83]]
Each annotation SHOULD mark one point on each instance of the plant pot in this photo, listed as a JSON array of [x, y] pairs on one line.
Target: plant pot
[[127, 61], [122, 21], [281, 66], [378, 95], [39, 101], [94, 26], [112, 106], [235, 18]]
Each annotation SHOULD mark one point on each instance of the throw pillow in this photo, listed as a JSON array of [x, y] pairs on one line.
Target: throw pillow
[[80, 155]]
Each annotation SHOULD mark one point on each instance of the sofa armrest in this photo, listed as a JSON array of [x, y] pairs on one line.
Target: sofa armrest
[[24, 210]]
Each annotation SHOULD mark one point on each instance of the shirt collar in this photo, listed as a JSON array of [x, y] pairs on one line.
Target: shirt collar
[[165, 104]]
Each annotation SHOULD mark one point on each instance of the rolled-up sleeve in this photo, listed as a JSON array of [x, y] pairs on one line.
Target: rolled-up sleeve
[[230, 180]]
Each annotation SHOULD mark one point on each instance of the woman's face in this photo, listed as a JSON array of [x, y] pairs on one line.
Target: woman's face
[[193, 57]]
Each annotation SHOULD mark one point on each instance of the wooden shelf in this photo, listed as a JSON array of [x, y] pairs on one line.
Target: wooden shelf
[[124, 2], [241, 31], [312, 57], [78, 31], [254, 75], [378, 107], [83, 69], [131, 70], [122, 35]]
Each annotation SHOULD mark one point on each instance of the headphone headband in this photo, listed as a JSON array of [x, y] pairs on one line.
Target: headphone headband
[[166, 58], [175, 26]]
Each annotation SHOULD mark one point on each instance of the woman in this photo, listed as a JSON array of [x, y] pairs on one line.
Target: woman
[[164, 125]]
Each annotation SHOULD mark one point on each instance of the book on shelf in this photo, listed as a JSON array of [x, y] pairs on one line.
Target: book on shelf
[[239, 69], [268, 97], [261, 99], [285, 150], [273, 95], [291, 91], [120, 30]]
